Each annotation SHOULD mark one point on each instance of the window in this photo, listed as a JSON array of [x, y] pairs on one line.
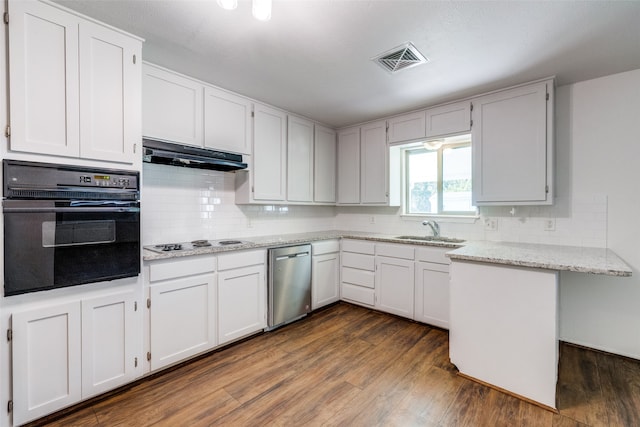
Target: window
[[438, 177]]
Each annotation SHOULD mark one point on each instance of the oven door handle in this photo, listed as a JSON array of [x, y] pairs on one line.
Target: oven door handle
[[7, 209]]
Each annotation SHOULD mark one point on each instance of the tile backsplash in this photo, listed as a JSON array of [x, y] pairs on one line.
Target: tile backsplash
[[182, 204]]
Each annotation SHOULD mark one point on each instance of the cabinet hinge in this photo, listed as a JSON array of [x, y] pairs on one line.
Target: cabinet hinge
[[148, 302], [10, 406], [253, 114], [135, 147], [135, 306], [135, 362], [387, 128], [472, 106], [547, 96], [546, 189], [148, 355], [7, 131], [252, 190], [134, 58], [9, 334], [6, 17], [471, 123]]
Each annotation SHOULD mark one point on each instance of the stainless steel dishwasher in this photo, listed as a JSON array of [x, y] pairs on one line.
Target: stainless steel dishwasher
[[289, 284]]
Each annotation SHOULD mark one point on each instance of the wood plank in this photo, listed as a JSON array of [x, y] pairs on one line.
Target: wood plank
[[620, 382]]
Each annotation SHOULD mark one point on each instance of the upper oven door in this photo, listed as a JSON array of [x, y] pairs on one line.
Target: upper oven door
[[53, 244]]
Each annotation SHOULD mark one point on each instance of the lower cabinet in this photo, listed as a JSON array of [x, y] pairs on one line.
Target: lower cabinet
[[432, 287], [182, 309], [71, 351], [394, 290], [325, 273], [241, 294]]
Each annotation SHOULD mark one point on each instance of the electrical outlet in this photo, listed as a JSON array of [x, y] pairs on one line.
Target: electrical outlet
[[372, 220], [550, 224], [491, 224], [249, 223]]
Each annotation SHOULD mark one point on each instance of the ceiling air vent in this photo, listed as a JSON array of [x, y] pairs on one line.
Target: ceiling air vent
[[400, 58]]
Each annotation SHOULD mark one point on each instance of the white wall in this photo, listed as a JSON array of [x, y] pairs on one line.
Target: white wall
[[602, 128]]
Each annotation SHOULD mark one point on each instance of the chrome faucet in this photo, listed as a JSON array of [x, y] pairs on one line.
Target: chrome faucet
[[435, 227]]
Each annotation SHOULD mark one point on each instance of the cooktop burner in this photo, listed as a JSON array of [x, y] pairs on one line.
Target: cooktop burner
[[196, 244]]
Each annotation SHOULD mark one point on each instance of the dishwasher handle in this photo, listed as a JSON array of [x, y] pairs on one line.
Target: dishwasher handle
[[298, 255]]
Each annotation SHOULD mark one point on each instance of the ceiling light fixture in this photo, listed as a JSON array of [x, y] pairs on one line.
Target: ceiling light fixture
[[434, 144], [261, 10], [228, 4]]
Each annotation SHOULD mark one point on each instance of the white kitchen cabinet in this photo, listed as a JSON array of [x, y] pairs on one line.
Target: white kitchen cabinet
[[74, 85], [242, 290], [300, 159], [109, 337], [172, 106], [269, 172], [504, 328], [182, 309], [394, 279], [406, 127], [358, 279], [110, 94], [432, 287], [227, 121], [513, 146], [325, 273], [448, 119], [374, 168], [324, 168], [349, 166], [46, 356]]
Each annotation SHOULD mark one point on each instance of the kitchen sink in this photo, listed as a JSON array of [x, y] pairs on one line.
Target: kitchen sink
[[438, 239]]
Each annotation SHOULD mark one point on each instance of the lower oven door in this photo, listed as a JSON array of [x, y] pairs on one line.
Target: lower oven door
[[53, 244]]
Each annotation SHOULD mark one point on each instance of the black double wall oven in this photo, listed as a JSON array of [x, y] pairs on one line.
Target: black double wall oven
[[68, 225]]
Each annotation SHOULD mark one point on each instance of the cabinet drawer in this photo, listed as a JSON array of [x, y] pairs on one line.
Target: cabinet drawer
[[172, 268], [358, 294], [241, 259], [325, 247], [395, 251], [363, 262], [359, 246], [359, 277], [433, 255]]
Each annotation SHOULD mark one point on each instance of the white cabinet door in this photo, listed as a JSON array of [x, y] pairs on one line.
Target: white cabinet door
[[448, 119], [183, 319], [374, 171], [325, 279], [299, 160], [407, 127], [512, 147], [43, 79], [227, 121], [349, 166], [172, 107], [324, 179], [241, 302], [46, 360], [394, 286], [432, 294], [269, 154], [110, 90], [109, 336]]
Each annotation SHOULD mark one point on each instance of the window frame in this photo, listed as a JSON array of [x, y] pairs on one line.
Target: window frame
[[419, 148]]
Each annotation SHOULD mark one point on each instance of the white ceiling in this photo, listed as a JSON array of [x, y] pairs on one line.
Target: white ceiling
[[313, 57]]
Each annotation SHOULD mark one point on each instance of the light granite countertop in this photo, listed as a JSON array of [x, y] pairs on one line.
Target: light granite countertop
[[549, 257]]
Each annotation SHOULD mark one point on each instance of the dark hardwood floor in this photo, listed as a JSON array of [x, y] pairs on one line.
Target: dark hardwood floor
[[349, 366]]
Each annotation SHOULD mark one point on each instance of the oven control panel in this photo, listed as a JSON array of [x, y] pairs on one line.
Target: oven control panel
[[105, 181]]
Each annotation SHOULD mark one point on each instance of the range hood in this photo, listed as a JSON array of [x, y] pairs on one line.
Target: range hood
[[190, 157]]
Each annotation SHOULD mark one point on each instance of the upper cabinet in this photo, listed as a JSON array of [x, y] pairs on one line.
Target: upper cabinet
[[407, 127], [300, 160], [448, 119], [60, 65], [513, 146], [227, 121], [363, 165], [269, 154], [172, 107], [324, 170], [179, 109]]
